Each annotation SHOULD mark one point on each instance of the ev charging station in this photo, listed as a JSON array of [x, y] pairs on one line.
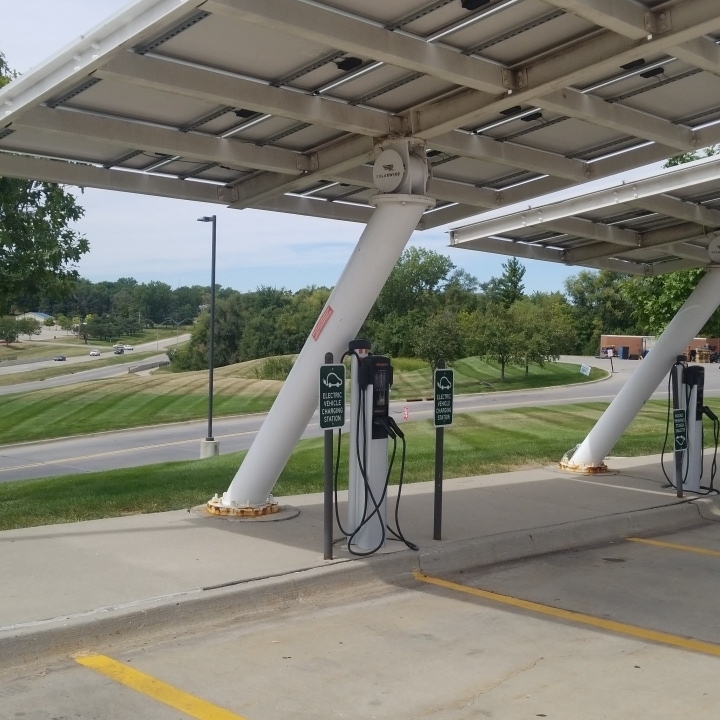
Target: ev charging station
[[371, 378], [687, 382], [370, 459]]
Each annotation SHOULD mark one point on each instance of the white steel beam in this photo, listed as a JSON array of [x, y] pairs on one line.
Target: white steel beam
[[512, 154], [580, 227], [503, 246], [635, 191], [623, 17], [72, 173], [357, 288], [328, 162], [644, 381], [633, 20], [336, 30], [144, 136], [621, 266], [224, 89], [603, 52], [317, 207], [689, 252], [681, 209], [616, 116], [701, 52]]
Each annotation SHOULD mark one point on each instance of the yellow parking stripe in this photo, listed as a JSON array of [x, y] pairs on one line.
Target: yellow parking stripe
[[156, 689], [575, 617], [674, 546]]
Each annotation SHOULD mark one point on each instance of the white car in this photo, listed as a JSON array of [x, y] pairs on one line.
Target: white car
[[128, 347], [94, 353]]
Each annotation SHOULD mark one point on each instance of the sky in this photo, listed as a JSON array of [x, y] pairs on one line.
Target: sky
[[160, 239]]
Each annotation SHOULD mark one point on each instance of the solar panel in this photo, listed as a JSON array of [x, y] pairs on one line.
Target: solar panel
[[652, 225], [283, 104]]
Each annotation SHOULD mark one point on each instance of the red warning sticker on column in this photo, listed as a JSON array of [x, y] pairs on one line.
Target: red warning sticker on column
[[322, 322]]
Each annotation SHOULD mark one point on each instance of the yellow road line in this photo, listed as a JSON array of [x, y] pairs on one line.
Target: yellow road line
[[675, 546], [575, 617], [156, 689]]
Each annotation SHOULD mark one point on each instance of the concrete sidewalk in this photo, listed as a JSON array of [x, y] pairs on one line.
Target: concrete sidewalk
[[66, 586]]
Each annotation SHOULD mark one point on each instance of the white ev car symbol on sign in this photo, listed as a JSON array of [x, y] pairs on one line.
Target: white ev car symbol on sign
[[332, 380], [444, 383]]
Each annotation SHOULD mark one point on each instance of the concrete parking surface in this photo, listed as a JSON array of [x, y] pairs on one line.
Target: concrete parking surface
[[550, 595], [420, 650]]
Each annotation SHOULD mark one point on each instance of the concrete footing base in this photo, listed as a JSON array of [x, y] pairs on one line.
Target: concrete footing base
[[209, 448]]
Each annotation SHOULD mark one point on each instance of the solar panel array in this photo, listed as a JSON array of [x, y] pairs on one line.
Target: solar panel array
[[283, 104]]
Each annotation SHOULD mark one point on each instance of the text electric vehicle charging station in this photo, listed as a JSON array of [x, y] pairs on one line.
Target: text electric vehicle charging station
[[687, 383], [370, 468]]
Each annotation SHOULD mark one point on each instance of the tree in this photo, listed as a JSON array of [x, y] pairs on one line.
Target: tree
[[9, 330], [600, 305], [656, 300], [438, 337], [38, 249], [421, 284], [494, 335], [28, 326], [544, 323], [508, 288]]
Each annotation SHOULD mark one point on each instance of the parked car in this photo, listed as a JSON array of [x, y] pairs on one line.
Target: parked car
[[59, 358], [128, 347], [119, 351], [94, 353]]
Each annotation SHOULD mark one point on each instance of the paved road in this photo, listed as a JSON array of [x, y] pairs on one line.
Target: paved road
[[181, 441], [78, 376], [626, 630]]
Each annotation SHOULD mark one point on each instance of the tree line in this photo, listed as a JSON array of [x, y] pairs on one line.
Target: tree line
[[428, 309]]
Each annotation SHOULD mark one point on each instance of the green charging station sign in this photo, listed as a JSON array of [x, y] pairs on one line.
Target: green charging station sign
[[444, 387], [332, 396], [680, 429]]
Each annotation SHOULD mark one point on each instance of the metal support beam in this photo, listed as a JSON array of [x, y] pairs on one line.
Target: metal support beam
[[336, 30], [152, 138], [601, 53], [623, 17], [512, 154], [701, 52], [328, 163], [636, 191], [224, 89], [378, 249], [649, 374], [626, 120], [72, 173], [502, 246], [680, 209]]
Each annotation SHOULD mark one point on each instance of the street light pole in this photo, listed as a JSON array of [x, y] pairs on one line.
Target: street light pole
[[210, 438]]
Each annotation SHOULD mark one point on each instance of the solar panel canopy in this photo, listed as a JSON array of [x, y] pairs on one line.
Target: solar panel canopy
[[284, 104]]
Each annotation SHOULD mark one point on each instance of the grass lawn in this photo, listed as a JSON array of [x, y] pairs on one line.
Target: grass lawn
[[478, 443], [132, 401]]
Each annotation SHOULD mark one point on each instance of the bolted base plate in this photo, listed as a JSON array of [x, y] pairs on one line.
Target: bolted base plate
[[585, 469], [215, 507]]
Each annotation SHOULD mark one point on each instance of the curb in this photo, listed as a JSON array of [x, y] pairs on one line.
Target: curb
[[214, 607]]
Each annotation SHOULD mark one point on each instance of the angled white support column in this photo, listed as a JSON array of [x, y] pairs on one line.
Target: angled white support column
[[649, 374], [379, 248]]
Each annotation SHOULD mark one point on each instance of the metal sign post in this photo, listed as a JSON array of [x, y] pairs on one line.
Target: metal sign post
[[443, 386], [332, 415]]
